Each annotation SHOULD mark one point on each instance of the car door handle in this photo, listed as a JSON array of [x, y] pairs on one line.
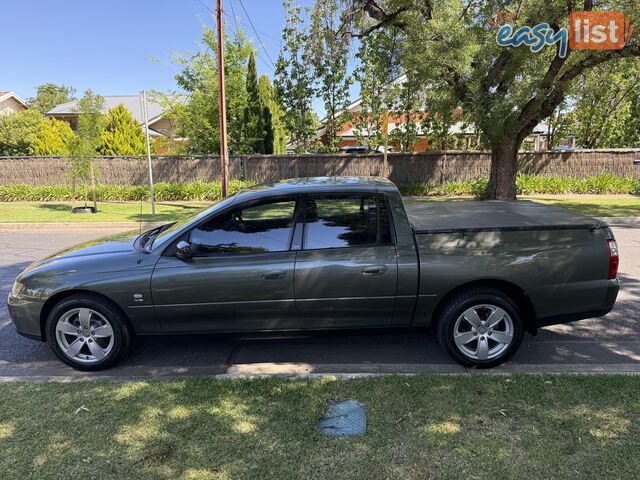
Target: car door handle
[[274, 274], [374, 270]]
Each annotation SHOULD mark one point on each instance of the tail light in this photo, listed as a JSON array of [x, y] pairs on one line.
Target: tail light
[[614, 259]]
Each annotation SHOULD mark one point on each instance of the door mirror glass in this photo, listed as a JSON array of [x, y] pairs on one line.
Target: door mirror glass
[[183, 250]]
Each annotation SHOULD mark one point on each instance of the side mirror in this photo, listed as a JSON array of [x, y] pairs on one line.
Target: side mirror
[[183, 250]]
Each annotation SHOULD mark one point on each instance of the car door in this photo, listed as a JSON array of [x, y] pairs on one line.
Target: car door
[[346, 271], [240, 276]]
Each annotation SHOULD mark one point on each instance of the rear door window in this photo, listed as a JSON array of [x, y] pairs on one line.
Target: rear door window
[[342, 221]]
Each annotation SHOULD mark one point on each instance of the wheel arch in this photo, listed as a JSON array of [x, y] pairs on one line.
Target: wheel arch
[[59, 296], [513, 291]]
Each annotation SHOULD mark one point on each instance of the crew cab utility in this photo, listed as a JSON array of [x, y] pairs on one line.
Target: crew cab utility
[[326, 253]]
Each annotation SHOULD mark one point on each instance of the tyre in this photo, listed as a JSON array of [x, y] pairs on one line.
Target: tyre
[[480, 327], [88, 332]]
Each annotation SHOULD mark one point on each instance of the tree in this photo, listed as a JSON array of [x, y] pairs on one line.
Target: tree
[[50, 95], [328, 52], [253, 112], [53, 138], [18, 132], [606, 107], [196, 113], [122, 134], [505, 92], [374, 73], [275, 139], [294, 80], [85, 144]]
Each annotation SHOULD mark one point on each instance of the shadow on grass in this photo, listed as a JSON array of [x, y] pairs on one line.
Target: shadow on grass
[[419, 427]]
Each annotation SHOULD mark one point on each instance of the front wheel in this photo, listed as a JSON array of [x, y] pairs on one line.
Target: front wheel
[[87, 332], [481, 327]]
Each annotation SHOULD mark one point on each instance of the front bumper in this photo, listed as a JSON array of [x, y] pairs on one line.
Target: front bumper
[[25, 315]]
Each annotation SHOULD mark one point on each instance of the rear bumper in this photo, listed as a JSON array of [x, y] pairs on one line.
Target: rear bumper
[[610, 299], [25, 315]]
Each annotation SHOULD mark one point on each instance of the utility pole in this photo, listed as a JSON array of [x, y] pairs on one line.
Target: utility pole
[[222, 105]]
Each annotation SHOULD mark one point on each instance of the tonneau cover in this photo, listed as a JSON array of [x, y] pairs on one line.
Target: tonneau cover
[[471, 216]]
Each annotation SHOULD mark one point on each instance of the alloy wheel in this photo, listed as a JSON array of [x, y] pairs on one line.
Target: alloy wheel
[[84, 335], [483, 332]]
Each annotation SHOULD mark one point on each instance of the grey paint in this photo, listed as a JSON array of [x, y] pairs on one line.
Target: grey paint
[[562, 269]]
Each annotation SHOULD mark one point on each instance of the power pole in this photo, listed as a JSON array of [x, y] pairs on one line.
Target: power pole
[[222, 105]]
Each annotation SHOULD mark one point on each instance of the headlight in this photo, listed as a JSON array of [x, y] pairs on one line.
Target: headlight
[[16, 289]]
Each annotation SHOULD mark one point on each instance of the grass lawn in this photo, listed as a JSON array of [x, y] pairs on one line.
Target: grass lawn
[[419, 427], [595, 206], [107, 212], [592, 205]]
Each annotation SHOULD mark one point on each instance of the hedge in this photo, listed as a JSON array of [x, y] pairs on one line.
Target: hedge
[[603, 184], [211, 191]]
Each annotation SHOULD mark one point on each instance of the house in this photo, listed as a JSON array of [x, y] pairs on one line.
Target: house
[[159, 125], [465, 135], [10, 102]]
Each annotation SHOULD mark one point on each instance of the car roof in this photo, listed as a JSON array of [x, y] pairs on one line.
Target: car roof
[[315, 184]]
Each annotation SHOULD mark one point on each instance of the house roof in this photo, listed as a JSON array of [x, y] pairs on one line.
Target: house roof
[[131, 102], [5, 95]]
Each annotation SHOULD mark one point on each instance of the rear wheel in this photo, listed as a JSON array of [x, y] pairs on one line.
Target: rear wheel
[[480, 327], [88, 332]]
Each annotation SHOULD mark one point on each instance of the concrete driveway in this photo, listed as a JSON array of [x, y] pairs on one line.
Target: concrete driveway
[[608, 344]]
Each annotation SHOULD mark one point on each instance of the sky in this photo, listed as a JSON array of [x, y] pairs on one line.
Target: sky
[[109, 46]]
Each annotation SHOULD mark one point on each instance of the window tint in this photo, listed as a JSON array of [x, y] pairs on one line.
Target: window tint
[[256, 229], [343, 221]]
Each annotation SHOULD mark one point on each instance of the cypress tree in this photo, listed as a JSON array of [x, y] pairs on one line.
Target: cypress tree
[[268, 129], [122, 135], [254, 117]]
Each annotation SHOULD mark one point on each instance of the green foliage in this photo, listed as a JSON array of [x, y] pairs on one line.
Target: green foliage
[[273, 113], [276, 135], [18, 132], [53, 138], [328, 51], [294, 79], [451, 47], [603, 184], [50, 95], [197, 191], [607, 107], [122, 134], [196, 114], [84, 145], [253, 113]]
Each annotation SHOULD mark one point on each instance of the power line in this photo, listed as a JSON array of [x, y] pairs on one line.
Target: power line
[[270, 65], [257, 35]]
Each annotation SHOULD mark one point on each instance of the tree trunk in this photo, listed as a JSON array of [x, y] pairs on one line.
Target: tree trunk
[[93, 187], [504, 167]]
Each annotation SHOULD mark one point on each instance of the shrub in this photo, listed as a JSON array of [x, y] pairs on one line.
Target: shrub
[[196, 191], [211, 191]]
